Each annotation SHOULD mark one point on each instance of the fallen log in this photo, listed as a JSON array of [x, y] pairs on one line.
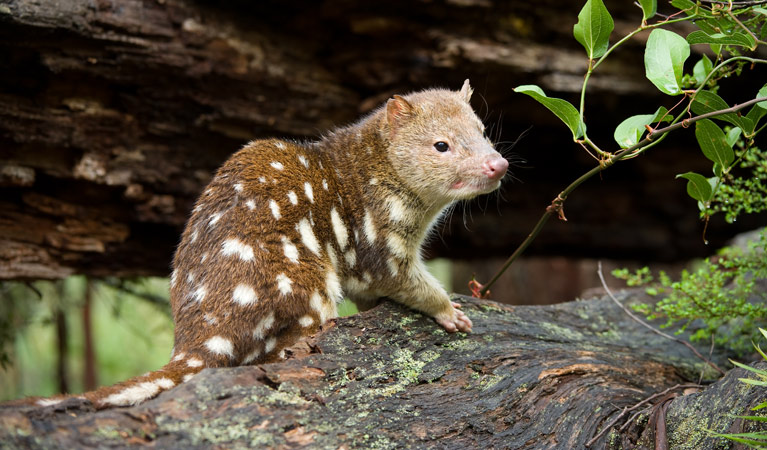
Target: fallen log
[[527, 377]]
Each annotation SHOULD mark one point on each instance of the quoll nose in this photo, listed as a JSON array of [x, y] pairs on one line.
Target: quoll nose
[[495, 168]]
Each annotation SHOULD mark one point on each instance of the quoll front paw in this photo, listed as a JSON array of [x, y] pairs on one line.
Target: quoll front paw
[[455, 320]]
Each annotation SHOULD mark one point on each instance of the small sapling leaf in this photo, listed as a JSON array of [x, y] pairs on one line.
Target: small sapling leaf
[[762, 93], [733, 135], [739, 39], [697, 186], [664, 59], [713, 143], [631, 130], [593, 28], [649, 8], [561, 108], [702, 69], [707, 101]]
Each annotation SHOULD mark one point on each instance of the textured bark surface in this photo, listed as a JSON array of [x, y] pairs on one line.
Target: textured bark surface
[[527, 377], [113, 116]]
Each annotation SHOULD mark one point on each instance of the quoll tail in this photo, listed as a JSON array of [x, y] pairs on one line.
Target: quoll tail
[[137, 389]]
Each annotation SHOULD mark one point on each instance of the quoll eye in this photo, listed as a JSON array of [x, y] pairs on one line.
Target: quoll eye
[[441, 146]]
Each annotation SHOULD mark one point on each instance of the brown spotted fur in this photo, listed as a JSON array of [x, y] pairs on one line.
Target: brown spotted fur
[[388, 185]]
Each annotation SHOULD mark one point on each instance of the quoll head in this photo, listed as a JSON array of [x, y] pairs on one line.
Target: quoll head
[[437, 145]]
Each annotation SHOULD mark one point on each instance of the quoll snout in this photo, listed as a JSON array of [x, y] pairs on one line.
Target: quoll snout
[[495, 167]]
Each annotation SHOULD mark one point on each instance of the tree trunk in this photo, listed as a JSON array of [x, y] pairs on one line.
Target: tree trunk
[[527, 377]]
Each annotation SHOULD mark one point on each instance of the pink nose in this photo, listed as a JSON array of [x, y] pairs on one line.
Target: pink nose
[[495, 168]]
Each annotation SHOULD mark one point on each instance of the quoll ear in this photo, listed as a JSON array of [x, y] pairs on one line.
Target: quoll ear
[[397, 108], [466, 91]]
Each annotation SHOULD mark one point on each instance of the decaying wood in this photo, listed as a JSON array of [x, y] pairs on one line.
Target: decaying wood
[[527, 377], [113, 115]]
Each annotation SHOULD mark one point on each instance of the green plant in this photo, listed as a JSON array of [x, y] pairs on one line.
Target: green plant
[[729, 30], [720, 292], [757, 439]]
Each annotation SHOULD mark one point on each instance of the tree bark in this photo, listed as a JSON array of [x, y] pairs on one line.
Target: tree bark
[[528, 377], [113, 115]]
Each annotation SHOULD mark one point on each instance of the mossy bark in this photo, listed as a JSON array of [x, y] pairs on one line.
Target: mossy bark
[[527, 377]]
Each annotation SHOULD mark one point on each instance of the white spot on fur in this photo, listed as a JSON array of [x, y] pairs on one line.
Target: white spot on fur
[[275, 209], [306, 321], [220, 346], [238, 187], [48, 402], [173, 278], [325, 184], [393, 267], [251, 357], [355, 285], [307, 236], [397, 211], [179, 357], [292, 197], [262, 179], [366, 276], [370, 228], [309, 192], [134, 394], [188, 377], [210, 320], [332, 255], [266, 323], [277, 165], [280, 145], [316, 303], [333, 287], [350, 257], [244, 295], [303, 160], [269, 344], [214, 218], [284, 284], [194, 362], [234, 246], [165, 383], [373, 181], [339, 229], [195, 234], [190, 277], [199, 294], [291, 251], [203, 257], [251, 205], [397, 245]]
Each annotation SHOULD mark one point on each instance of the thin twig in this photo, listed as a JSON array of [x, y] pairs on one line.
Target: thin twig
[[649, 327], [741, 3], [627, 409]]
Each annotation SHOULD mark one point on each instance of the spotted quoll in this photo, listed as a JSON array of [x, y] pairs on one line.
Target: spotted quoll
[[286, 229]]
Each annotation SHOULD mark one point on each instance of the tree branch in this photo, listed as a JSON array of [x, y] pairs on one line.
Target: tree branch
[[558, 203]]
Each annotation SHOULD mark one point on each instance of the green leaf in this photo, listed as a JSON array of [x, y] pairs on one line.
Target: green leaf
[[593, 28], [760, 11], [713, 143], [697, 186], [561, 108], [702, 69], [759, 372], [739, 39], [764, 332], [631, 130], [762, 93], [686, 5], [664, 59], [753, 382], [649, 8], [754, 418], [733, 135], [707, 102]]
